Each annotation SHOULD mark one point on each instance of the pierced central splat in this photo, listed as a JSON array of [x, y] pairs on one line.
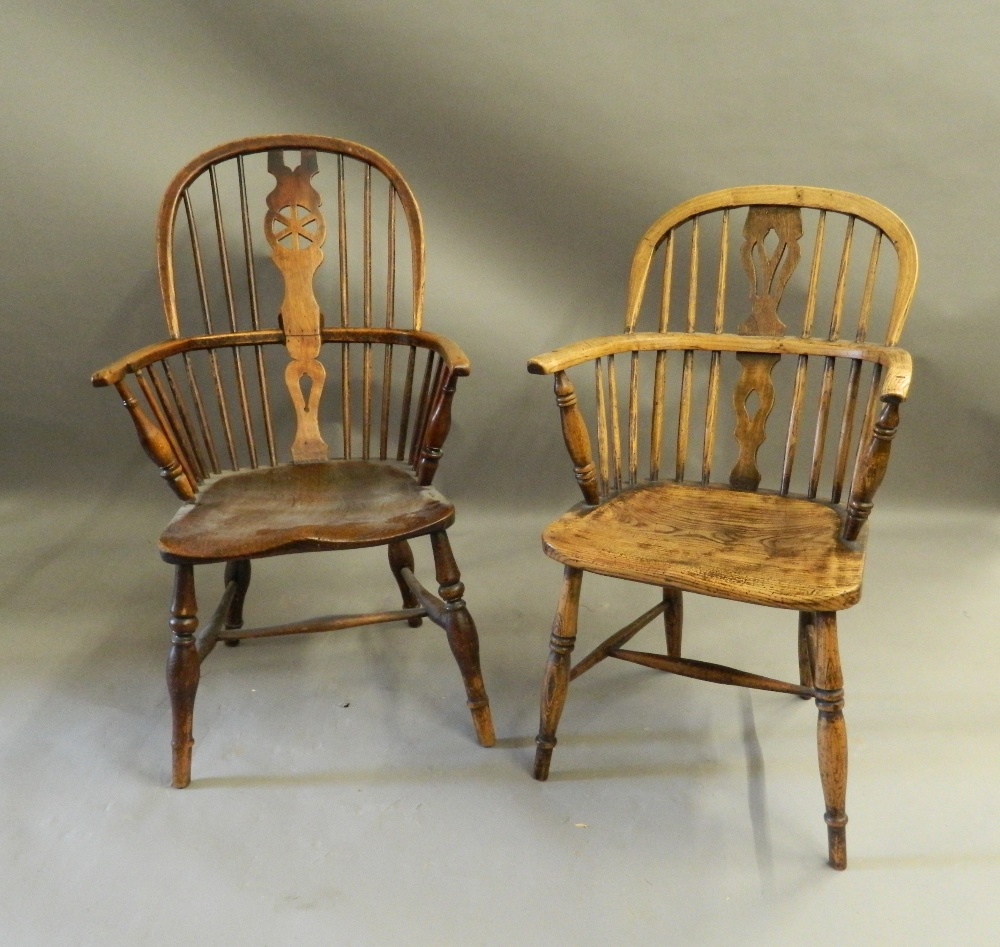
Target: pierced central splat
[[295, 230], [294, 223], [770, 253]]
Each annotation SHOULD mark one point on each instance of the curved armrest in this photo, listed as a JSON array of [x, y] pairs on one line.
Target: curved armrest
[[897, 362], [453, 356]]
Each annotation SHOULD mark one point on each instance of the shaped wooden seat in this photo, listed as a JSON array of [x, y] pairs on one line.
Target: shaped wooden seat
[[291, 407], [748, 547], [340, 504], [812, 405]]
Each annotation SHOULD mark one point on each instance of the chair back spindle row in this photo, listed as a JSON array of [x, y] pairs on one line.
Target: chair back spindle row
[[670, 402], [219, 407]]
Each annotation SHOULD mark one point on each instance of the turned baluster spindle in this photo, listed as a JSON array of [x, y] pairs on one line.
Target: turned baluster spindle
[[438, 425], [190, 441], [166, 418], [154, 442], [872, 469], [577, 438], [432, 375]]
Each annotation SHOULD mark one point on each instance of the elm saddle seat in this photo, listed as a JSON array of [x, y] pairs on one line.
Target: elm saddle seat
[[321, 431], [748, 547], [340, 504], [671, 502]]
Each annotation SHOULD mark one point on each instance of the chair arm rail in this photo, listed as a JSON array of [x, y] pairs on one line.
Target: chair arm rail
[[896, 362], [452, 355]]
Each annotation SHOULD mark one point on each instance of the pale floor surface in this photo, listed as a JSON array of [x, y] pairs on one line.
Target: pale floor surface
[[339, 796]]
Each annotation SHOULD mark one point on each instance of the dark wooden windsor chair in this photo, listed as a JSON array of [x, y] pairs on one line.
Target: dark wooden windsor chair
[[268, 456], [777, 528]]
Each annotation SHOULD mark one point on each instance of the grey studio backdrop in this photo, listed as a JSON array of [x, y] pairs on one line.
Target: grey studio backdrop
[[541, 140]]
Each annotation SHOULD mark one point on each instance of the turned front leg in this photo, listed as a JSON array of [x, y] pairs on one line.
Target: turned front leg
[[462, 636], [555, 683], [183, 672], [831, 734]]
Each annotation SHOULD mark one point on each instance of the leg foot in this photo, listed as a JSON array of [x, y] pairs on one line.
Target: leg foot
[[401, 557], [462, 637], [831, 735], [555, 682], [183, 672]]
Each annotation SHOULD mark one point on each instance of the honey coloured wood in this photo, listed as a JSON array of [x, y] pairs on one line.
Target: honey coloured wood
[[297, 405], [797, 293]]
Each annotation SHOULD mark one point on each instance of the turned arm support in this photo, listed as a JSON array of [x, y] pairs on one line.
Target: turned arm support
[[871, 468], [157, 445], [438, 425], [577, 439]]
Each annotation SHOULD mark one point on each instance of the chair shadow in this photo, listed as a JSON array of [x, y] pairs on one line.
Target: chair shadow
[[757, 795]]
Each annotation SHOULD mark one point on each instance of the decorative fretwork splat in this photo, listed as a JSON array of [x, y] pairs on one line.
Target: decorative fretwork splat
[[295, 230], [768, 269]]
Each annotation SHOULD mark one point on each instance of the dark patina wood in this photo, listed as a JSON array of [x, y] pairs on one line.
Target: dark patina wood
[[243, 435], [750, 537]]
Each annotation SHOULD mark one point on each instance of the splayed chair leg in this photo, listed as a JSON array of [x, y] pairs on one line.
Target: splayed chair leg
[[807, 626], [462, 636], [831, 735], [401, 557], [555, 682], [673, 620], [238, 571], [183, 672]]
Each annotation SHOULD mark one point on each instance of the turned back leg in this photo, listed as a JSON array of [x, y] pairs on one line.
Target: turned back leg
[[673, 620], [807, 633], [238, 571], [400, 558]]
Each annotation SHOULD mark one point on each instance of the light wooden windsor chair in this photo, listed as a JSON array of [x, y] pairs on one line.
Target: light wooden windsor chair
[[784, 524], [298, 436]]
